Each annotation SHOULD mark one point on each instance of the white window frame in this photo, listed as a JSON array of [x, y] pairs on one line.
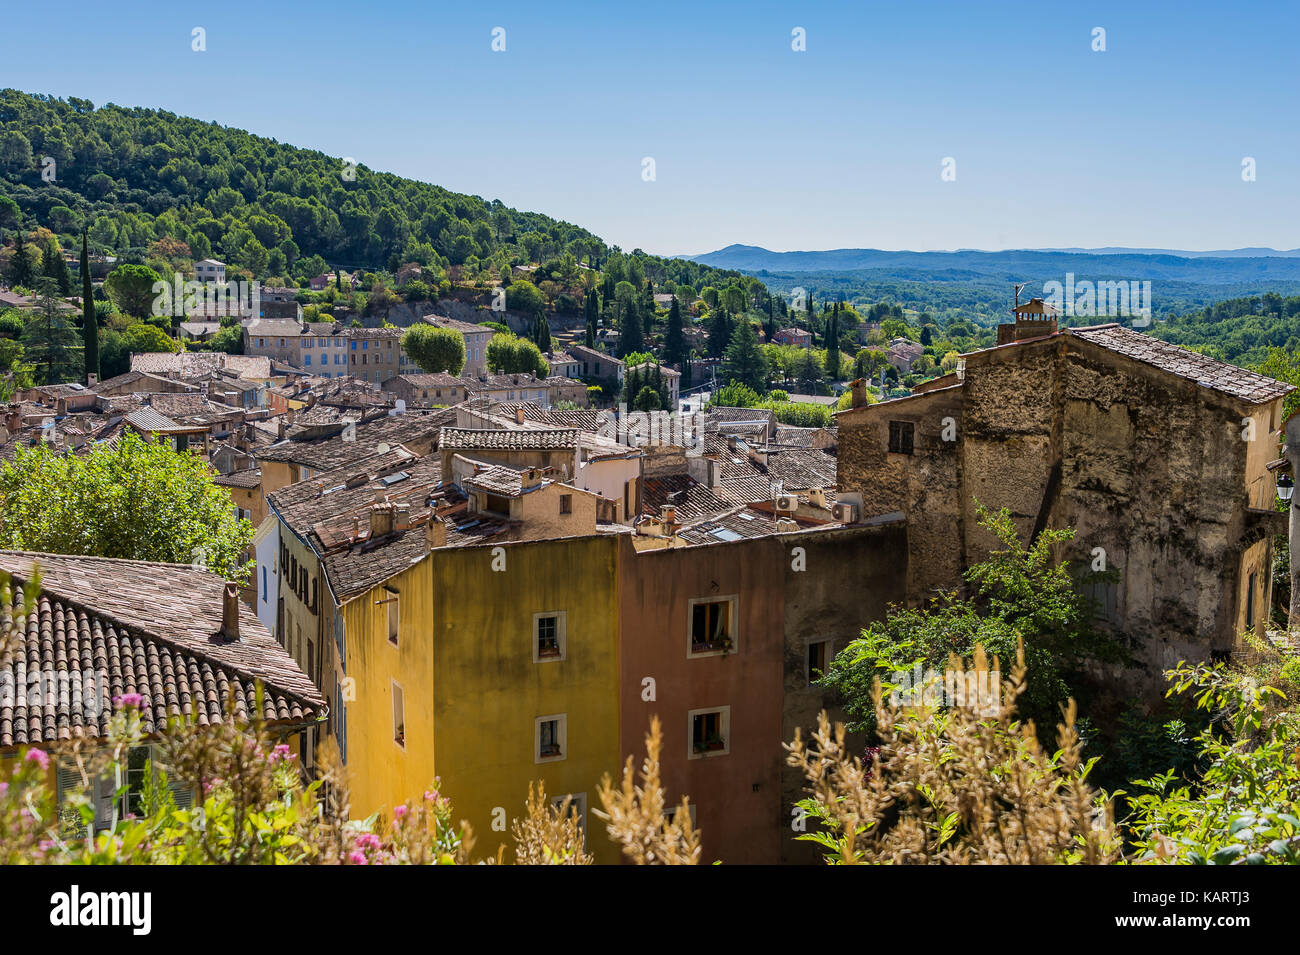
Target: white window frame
[[734, 618], [726, 732], [395, 691], [393, 616], [561, 733], [561, 632]]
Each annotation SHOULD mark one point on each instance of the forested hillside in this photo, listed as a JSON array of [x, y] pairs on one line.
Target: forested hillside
[[136, 176]]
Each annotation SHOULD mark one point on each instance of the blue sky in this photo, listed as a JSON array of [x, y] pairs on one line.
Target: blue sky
[[837, 146]]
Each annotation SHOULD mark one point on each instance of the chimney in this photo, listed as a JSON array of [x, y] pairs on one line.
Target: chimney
[[281, 428], [519, 415], [92, 380], [817, 497], [715, 472], [381, 520], [402, 516], [61, 407], [230, 611], [435, 532], [859, 387], [14, 418]]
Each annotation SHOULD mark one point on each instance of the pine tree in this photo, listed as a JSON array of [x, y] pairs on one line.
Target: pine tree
[[21, 271], [49, 338], [720, 331], [90, 323], [745, 361], [674, 343]]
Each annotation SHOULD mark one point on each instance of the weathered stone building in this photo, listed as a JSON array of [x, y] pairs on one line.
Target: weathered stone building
[[1154, 454]]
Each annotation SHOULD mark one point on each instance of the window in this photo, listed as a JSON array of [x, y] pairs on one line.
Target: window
[[1250, 601], [671, 814], [577, 807], [399, 715], [549, 636], [710, 732], [819, 652], [901, 434], [393, 607], [549, 732], [306, 361], [712, 625], [264, 583], [566, 503]]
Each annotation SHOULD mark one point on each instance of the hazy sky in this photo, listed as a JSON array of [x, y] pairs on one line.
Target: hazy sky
[[840, 145]]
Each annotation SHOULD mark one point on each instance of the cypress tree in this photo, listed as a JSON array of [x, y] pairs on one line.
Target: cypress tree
[[54, 267], [674, 343], [632, 338], [90, 323], [833, 344]]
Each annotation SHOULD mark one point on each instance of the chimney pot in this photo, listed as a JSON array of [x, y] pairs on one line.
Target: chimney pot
[[381, 520], [230, 611], [436, 531], [859, 387]]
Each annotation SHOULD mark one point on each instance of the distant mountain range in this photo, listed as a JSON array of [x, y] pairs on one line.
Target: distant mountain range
[[1216, 268], [975, 284]]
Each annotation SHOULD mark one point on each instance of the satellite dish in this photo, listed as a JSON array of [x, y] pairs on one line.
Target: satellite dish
[[382, 449]]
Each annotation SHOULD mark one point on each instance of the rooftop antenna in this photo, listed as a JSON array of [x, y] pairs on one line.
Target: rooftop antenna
[[1016, 305]]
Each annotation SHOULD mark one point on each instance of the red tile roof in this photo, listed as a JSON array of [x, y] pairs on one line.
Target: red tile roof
[[106, 627]]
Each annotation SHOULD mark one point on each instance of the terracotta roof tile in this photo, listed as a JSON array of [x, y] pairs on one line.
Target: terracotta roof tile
[[1204, 370], [105, 627]]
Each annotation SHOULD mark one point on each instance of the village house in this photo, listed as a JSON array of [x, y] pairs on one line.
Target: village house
[[799, 337], [598, 365], [104, 629], [1155, 455]]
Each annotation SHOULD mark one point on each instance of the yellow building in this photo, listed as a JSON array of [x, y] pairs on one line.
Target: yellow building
[[487, 666]]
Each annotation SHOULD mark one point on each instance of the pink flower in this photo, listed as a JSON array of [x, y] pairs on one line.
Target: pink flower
[[399, 812], [38, 757], [367, 840], [431, 796], [129, 700], [357, 858], [4, 788], [281, 752]]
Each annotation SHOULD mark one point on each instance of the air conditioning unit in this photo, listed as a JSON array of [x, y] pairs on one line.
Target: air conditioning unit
[[845, 513], [786, 502]]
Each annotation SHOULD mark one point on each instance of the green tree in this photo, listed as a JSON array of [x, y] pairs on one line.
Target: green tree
[[526, 298], [674, 342], [734, 394], [131, 288], [631, 334], [435, 349], [745, 361], [591, 315], [21, 268], [54, 267], [89, 321], [134, 499], [833, 344], [49, 339], [647, 399], [1021, 595], [510, 355], [720, 332]]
